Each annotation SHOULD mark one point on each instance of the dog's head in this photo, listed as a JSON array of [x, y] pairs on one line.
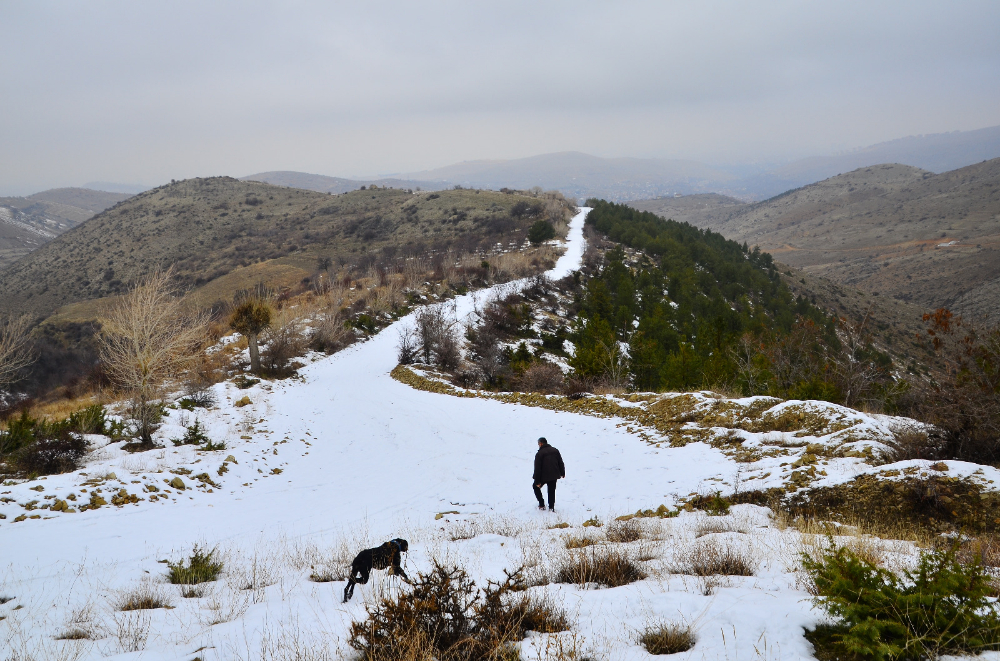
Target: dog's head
[[402, 544]]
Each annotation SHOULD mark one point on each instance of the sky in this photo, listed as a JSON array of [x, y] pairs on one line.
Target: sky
[[144, 92]]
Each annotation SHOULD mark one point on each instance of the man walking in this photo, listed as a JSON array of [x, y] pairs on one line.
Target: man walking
[[548, 468]]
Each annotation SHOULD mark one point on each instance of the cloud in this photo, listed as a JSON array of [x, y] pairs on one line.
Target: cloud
[[157, 90]]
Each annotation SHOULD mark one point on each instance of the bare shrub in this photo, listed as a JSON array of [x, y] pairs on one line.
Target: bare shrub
[[147, 339], [543, 377], [285, 340], [435, 336], [965, 404], [710, 558], [331, 333], [610, 567], [667, 638], [910, 441], [131, 630], [15, 349], [144, 596], [623, 531]]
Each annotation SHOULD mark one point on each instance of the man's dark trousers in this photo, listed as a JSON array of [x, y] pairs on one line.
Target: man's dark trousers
[[552, 494]]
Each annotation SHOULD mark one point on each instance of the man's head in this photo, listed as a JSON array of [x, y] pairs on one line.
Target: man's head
[[542, 441]]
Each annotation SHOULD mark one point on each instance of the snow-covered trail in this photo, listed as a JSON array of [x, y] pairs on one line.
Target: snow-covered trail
[[382, 455]]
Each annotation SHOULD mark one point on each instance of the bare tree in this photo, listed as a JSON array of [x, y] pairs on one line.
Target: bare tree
[[15, 350], [147, 339], [856, 372], [614, 362]]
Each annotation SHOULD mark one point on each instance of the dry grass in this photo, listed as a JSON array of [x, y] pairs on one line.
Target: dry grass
[[623, 531], [604, 566], [714, 525], [579, 541], [667, 638], [487, 525], [144, 596], [712, 558]]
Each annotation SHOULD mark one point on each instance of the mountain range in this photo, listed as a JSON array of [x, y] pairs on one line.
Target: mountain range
[[624, 179]]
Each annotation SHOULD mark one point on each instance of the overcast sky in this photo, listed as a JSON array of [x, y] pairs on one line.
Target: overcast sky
[[148, 91]]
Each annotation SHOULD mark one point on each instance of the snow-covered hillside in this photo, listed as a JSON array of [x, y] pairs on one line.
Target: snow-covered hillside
[[346, 457]]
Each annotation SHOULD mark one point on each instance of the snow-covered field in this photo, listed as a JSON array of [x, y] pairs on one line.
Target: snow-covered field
[[346, 457]]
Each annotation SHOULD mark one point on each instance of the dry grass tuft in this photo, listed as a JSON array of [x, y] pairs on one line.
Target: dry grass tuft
[[144, 596], [75, 633], [710, 526], [710, 558], [610, 567], [667, 638], [623, 531], [579, 541]]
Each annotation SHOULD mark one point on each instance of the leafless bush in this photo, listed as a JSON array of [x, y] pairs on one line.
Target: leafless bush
[[910, 441], [435, 336], [285, 340], [543, 377], [15, 350], [131, 630], [605, 566], [147, 339], [331, 332]]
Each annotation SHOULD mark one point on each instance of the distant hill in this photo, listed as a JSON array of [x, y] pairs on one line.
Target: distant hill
[[323, 184], [939, 152], [929, 239], [207, 229], [582, 175], [27, 223]]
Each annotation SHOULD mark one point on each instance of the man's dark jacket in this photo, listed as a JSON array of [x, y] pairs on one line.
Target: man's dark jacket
[[548, 465]]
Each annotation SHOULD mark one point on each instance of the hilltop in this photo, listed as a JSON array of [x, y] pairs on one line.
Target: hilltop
[[324, 184], [29, 222], [208, 228], [932, 240]]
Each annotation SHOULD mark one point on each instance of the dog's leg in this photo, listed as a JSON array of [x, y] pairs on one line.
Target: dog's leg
[[349, 590]]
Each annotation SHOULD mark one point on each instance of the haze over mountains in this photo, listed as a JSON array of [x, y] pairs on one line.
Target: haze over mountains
[[900, 231], [623, 179]]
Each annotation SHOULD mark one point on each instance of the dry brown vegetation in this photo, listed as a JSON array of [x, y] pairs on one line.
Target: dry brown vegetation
[[447, 617], [608, 566], [667, 638]]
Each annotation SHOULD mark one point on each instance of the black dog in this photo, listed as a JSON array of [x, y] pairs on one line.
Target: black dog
[[386, 556]]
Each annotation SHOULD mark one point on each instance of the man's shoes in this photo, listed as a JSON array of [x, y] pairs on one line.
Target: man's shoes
[[552, 509], [541, 507]]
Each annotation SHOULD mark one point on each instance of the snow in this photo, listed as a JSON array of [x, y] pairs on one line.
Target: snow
[[346, 457]]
